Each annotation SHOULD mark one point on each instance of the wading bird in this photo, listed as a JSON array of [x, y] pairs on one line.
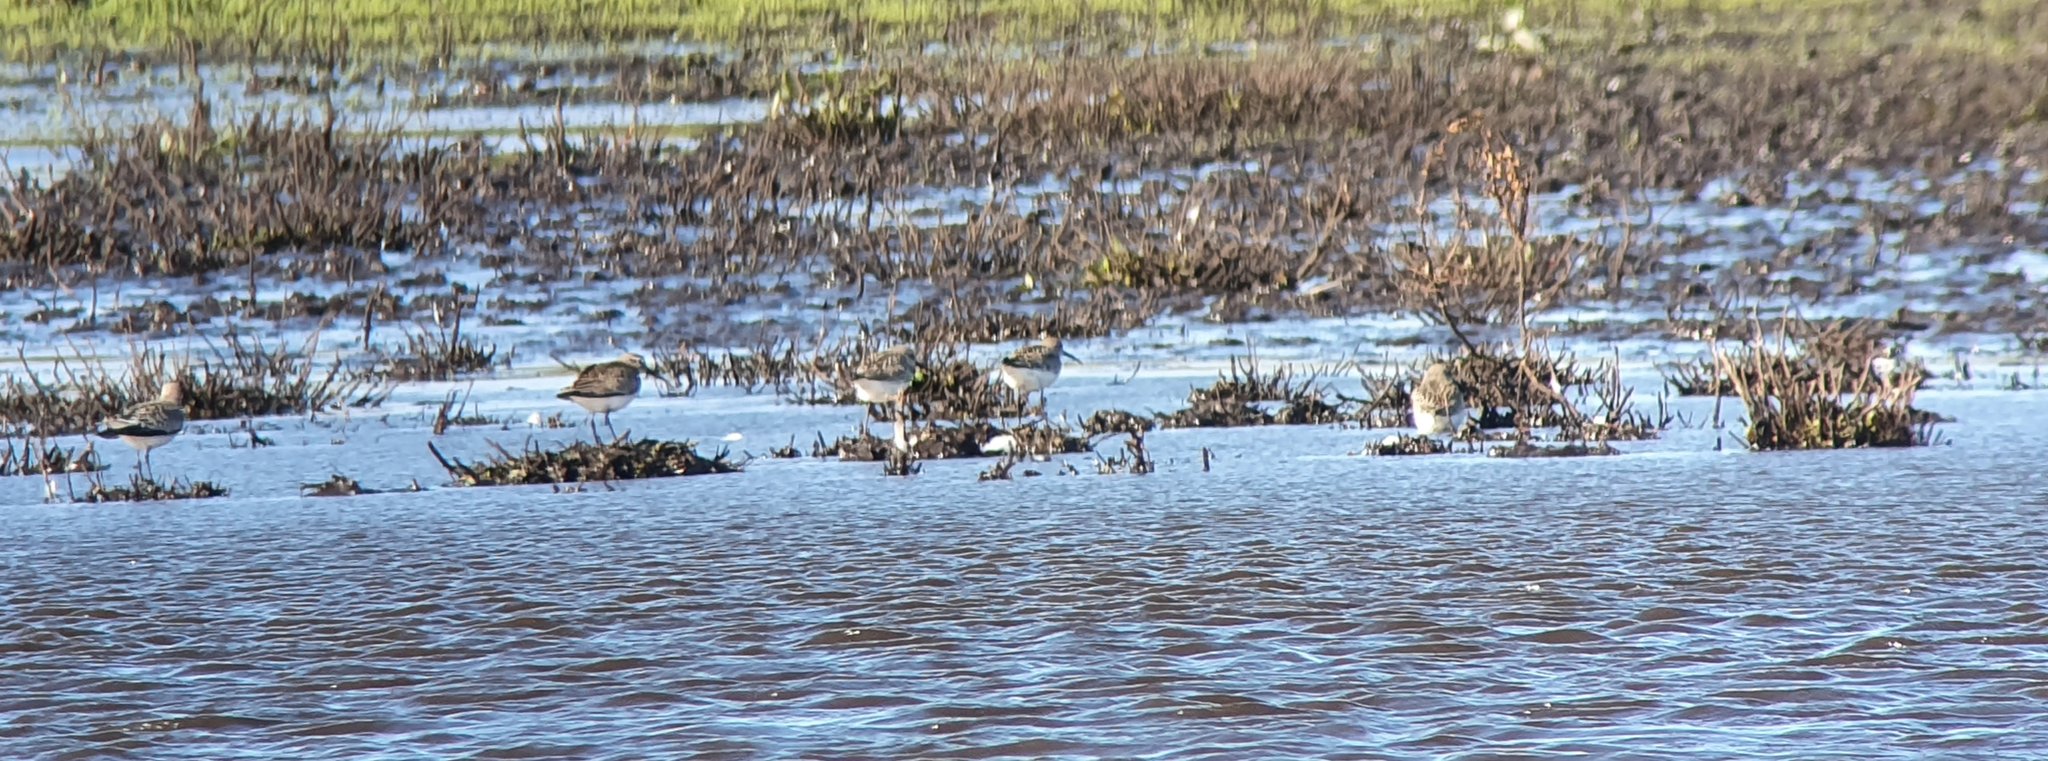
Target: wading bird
[[1438, 404], [1034, 368], [606, 387], [149, 425], [881, 378]]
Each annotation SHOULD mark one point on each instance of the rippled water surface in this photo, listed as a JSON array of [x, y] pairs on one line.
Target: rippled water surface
[[1291, 602]]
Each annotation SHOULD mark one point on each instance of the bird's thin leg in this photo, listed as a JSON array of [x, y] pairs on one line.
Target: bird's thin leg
[[593, 428], [608, 425], [902, 439], [1003, 415]]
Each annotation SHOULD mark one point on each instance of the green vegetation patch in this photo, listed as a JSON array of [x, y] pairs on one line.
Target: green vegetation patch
[[271, 28]]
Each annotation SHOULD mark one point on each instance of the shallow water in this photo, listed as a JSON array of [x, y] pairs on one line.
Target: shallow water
[[1292, 602]]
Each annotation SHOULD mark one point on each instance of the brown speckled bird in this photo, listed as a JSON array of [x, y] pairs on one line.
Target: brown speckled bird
[[607, 387], [1437, 402], [149, 425], [881, 378], [1034, 368]]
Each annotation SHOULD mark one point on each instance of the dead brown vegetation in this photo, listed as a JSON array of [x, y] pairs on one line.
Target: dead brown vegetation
[[144, 489], [25, 458], [1797, 401], [1086, 190], [618, 460], [1246, 395], [195, 197], [440, 351], [238, 377]]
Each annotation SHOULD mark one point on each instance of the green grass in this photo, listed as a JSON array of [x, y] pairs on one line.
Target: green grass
[[402, 28], [430, 26]]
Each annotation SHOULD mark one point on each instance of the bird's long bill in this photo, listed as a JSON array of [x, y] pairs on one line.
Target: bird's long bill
[[1069, 355]]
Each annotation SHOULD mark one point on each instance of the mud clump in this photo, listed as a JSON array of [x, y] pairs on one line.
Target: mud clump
[[1109, 422], [428, 360], [1399, 445], [1523, 450], [1216, 413], [336, 486], [581, 462], [1700, 377], [143, 489], [1510, 389], [342, 486]]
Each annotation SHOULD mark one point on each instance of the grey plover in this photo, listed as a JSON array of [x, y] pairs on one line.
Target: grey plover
[[1034, 368], [607, 387], [881, 378], [1438, 404], [149, 425]]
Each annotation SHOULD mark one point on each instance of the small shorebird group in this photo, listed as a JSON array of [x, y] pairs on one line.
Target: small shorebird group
[[149, 425], [884, 376], [879, 378], [1438, 402]]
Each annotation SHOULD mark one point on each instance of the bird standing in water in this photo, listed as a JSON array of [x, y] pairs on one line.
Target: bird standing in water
[[882, 378], [1438, 403], [606, 387], [149, 425], [1034, 368]]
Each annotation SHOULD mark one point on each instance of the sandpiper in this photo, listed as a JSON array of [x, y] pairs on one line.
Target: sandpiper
[[1035, 367], [606, 387], [149, 425], [1438, 403], [882, 377]]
